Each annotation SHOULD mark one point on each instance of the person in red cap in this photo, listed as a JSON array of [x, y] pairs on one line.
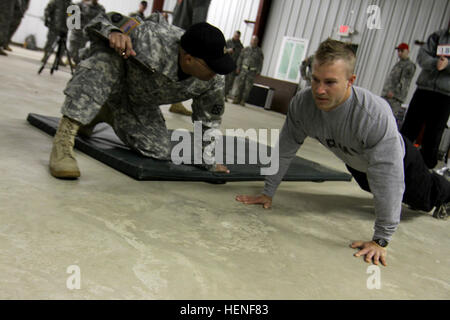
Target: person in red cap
[[430, 105], [398, 82], [131, 71]]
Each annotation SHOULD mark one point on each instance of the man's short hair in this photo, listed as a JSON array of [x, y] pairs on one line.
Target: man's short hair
[[144, 3], [238, 32], [331, 50]]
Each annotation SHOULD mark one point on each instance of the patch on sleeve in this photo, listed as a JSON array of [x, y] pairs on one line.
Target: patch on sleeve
[[129, 25]]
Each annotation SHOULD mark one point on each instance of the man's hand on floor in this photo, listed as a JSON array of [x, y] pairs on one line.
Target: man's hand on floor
[[221, 168], [371, 251], [266, 201]]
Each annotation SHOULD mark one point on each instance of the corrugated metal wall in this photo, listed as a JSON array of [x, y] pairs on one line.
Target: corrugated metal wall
[[33, 20], [229, 16], [316, 20]]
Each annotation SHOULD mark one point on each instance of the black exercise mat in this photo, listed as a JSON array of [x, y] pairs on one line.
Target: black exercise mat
[[105, 146]]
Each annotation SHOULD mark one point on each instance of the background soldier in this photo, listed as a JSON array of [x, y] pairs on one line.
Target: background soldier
[[306, 70], [50, 23], [140, 13], [397, 84], [6, 14], [249, 65], [235, 47], [185, 14], [56, 21], [20, 7], [89, 10]]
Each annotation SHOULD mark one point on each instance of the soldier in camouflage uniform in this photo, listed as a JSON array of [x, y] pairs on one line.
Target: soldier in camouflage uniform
[[89, 10], [50, 23], [165, 65], [397, 84], [20, 7], [235, 47], [140, 13], [55, 17], [249, 65], [306, 70], [6, 14]]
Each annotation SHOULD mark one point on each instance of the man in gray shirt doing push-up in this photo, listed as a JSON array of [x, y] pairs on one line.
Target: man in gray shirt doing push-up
[[359, 128]]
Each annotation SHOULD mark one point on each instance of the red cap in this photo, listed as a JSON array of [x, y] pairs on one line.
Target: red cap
[[402, 46]]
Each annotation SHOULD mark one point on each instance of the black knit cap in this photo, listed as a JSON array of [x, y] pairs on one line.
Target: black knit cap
[[206, 42]]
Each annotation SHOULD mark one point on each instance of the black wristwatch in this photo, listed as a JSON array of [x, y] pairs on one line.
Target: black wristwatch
[[381, 242]]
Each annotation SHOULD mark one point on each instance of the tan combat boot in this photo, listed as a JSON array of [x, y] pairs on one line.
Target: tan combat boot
[[63, 164], [180, 109]]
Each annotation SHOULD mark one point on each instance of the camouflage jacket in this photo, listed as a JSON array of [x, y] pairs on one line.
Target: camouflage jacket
[[49, 14], [306, 69], [399, 79], [156, 43], [251, 58], [237, 48], [88, 13], [61, 15]]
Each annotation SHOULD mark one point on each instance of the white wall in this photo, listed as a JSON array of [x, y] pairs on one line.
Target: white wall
[[32, 22], [230, 15]]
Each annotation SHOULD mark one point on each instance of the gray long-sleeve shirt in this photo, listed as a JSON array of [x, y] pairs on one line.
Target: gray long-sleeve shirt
[[361, 132], [430, 78]]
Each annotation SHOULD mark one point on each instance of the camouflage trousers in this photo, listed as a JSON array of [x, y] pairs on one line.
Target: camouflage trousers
[[229, 81], [101, 81], [243, 85], [18, 14], [397, 110], [77, 42], [52, 35], [6, 17]]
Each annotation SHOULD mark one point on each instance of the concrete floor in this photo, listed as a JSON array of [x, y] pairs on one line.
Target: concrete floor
[[182, 240]]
